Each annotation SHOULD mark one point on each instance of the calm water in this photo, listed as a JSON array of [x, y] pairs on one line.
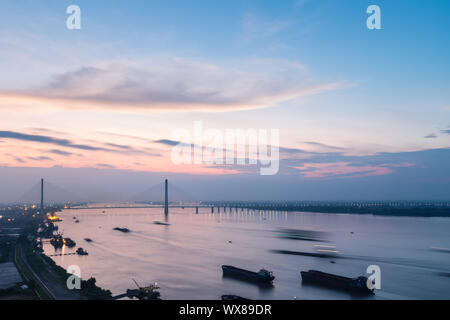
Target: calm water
[[185, 258]]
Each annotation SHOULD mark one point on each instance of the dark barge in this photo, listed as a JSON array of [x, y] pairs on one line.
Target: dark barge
[[232, 297], [262, 276], [358, 284], [57, 241], [69, 242], [82, 252]]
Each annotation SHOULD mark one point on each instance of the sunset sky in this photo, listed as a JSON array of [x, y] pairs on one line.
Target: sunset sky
[[362, 114]]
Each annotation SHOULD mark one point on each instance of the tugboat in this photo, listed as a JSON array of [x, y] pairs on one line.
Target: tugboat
[[144, 293], [82, 252], [69, 242], [262, 276], [124, 230], [358, 284], [57, 241]]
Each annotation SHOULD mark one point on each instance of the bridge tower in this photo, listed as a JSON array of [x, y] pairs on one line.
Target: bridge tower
[[42, 196], [166, 201]]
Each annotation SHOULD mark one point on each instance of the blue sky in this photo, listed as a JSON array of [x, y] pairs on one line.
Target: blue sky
[[309, 68]]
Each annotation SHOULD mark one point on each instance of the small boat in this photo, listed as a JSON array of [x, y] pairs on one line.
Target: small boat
[[358, 284], [144, 293], [88, 239], [262, 276], [232, 297], [57, 241], [161, 223], [69, 242], [124, 230], [308, 254], [82, 252], [77, 221], [304, 235]]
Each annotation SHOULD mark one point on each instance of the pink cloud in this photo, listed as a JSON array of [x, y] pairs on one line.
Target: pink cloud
[[173, 85], [332, 169]]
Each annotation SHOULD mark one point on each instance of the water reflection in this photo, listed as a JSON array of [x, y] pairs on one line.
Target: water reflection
[[185, 258]]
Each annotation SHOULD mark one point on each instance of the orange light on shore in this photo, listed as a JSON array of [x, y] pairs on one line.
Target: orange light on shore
[[54, 218]]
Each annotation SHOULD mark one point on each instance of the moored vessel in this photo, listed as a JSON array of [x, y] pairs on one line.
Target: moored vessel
[[82, 252], [358, 284], [69, 242], [232, 297], [57, 241], [262, 276]]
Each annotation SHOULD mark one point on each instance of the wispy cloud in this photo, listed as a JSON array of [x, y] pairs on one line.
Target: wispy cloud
[[254, 27], [60, 152], [292, 150], [46, 139], [20, 160], [105, 165], [168, 142], [67, 143], [41, 158], [341, 169], [175, 85], [323, 145]]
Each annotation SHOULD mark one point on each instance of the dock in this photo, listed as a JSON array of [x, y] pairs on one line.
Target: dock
[[62, 254]]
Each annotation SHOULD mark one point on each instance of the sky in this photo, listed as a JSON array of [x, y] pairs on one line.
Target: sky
[[362, 114]]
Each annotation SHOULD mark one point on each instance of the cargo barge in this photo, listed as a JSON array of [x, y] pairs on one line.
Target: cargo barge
[[358, 284], [262, 276]]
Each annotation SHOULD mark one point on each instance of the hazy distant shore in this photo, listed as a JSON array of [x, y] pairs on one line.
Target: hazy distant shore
[[401, 209]]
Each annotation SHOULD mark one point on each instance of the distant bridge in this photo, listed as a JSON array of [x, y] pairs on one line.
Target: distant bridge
[[136, 207]]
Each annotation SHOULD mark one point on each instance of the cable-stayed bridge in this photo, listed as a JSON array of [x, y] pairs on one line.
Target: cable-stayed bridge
[[157, 196], [57, 194], [176, 197], [53, 194]]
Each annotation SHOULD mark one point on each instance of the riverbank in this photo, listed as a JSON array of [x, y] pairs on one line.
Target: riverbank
[[377, 208], [56, 278]]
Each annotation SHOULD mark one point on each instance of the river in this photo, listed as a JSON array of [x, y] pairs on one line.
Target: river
[[185, 257]]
